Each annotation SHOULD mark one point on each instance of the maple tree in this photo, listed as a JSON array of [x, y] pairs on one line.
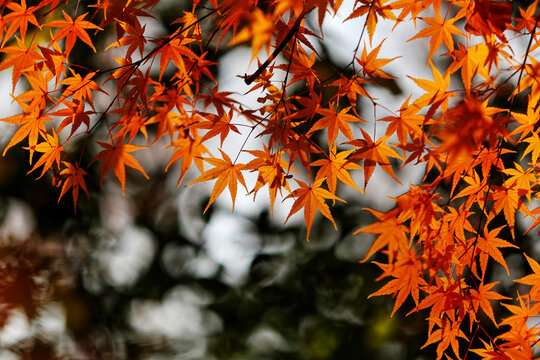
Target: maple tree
[[436, 246]]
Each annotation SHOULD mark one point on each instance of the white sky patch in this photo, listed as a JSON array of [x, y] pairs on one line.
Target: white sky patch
[[126, 258], [19, 222], [16, 330], [51, 320], [267, 340], [180, 315], [231, 243]]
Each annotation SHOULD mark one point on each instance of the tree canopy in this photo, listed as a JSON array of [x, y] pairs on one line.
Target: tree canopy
[[97, 84]]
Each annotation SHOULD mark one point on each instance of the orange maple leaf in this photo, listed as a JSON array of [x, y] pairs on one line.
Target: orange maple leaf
[[440, 30], [489, 17], [334, 122], [532, 279], [408, 279], [371, 66], [528, 121], [373, 9], [74, 115], [407, 123], [488, 246], [80, 88], [71, 30], [446, 336], [311, 198], [271, 168], [74, 181], [55, 60], [373, 153], [21, 58], [521, 314], [437, 94], [175, 50], [135, 39], [218, 125], [188, 149], [259, 31], [51, 153], [117, 157], [335, 167], [480, 298], [18, 18], [470, 61], [226, 173], [31, 126], [392, 234]]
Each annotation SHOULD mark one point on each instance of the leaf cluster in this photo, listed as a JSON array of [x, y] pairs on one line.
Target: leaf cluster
[[436, 247]]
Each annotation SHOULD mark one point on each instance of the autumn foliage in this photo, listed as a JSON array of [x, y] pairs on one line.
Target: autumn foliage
[[434, 248]]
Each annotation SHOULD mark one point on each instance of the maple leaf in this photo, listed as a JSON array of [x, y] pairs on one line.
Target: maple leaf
[[335, 167], [373, 9], [533, 147], [71, 30], [443, 298], [18, 18], [530, 80], [489, 17], [446, 336], [412, 7], [74, 180], [259, 32], [407, 123], [481, 296], [532, 279], [437, 94], [521, 179], [490, 352], [470, 61], [21, 58], [80, 88], [352, 87], [371, 66], [392, 234], [175, 50], [373, 153], [188, 149], [522, 313], [310, 198], [31, 125], [311, 105], [74, 115], [135, 39], [117, 156], [527, 18], [51, 153], [470, 124], [440, 30], [301, 67], [528, 121], [508, 201], [271, 171], [334, 122], [226, 173], [408, 278], [54, 60], [218, 125], [475, 188], [488, 246]]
